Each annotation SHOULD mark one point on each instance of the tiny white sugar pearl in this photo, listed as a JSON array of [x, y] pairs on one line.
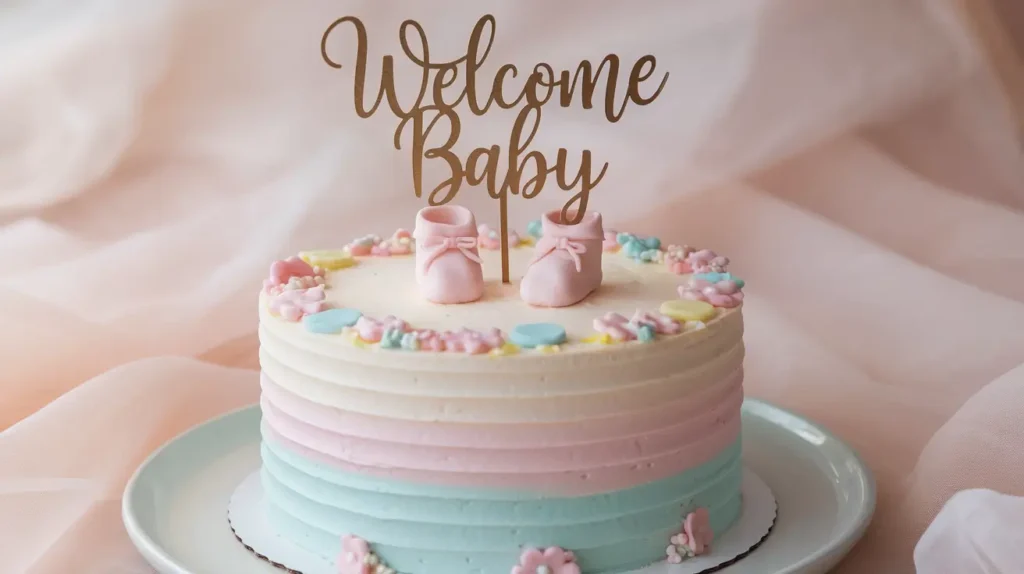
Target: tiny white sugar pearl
[[543, 569]]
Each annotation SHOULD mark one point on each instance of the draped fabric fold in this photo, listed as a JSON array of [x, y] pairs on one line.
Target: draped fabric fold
[[858, 161]]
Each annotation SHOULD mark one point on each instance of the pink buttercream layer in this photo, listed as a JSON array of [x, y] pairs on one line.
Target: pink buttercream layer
[[503, 436], [645, 450], [625, 451], [579, 482]]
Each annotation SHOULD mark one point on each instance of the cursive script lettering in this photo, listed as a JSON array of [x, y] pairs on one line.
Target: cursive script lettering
[[434, 126]]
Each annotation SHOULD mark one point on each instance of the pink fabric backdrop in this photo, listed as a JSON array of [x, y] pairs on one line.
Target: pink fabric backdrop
[[855, 158]]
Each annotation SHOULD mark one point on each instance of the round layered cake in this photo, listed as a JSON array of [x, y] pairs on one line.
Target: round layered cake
[[425, 438]]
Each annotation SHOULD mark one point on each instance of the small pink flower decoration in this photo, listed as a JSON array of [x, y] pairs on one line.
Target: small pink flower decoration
[[283, 271], [707, 261], [552, 560], [294, 304], [694, 540], [372, 331], [491, 239], [697, 528], [472, 342], [616, 326], [382, 249], [662, 325], [354, 554], [677, 259], [363, 246], [725, 293], [430, 341], [400, 243]]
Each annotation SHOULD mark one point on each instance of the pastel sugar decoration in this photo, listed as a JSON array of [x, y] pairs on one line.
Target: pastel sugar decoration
[[677, 258], [725, 294], [401, 243], [599, 339], [283, 271], [532, 335], [354, 554], [391, 339], [645, 333], [472, 342], [294, 304], [428, 340], [534, 229], [715, 277], [363, 246], [694, 540], [328, 259], [491, 239], [650, 256], [382, 249], [660, 324], [615, 326], [552, 560], [687, 310], [707, 261], [697, 528], [331, 321], [504, 350], [357, 558], [641, 249], [372, 331], [410, 342]]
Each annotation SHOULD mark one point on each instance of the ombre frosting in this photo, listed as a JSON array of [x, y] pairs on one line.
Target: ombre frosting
[[456, 463]]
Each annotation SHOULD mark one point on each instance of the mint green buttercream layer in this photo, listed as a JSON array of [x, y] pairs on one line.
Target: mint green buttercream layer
[[427, 529]]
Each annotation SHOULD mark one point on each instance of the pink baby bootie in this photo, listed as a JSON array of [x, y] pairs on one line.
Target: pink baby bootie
[[566, 266], [447, 260]]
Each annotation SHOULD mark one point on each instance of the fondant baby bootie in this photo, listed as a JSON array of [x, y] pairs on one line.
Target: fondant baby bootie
[[447, 260], [567, 262]]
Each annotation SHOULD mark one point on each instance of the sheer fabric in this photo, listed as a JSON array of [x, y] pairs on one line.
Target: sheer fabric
[[857, 159]]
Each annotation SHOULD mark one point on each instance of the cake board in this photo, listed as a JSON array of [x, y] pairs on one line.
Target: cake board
[[174, 507], [247, 517]]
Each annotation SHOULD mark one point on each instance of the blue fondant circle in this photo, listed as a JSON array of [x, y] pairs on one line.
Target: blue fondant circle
[[331, 321], [537, 334]]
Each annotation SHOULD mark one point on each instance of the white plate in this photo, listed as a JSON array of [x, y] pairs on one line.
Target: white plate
[[175, 505]]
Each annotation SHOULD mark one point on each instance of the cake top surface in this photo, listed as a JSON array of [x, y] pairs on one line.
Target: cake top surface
[[366, 296]]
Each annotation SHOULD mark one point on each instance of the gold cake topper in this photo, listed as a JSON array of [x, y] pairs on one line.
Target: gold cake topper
[[429, 118]]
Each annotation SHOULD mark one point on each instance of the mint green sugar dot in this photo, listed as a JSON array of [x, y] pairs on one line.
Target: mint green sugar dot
[[533, 228]]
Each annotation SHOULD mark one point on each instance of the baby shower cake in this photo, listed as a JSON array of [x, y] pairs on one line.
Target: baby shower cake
[[420, 416]]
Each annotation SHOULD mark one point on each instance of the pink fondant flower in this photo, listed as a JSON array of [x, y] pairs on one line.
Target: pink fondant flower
[[662, 325], [552, 560], [372, 331], [491, 238], [430, 340], [363, 246], [354, 556], [294, 304], [283, 271], [697, 528], [725, 293], [707, 261], [677, 259], [488, 238], [615, 326], [382, 249], [400, 243], [472, 342]]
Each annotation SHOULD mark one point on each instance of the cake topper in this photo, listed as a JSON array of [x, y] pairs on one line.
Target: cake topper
[[435, 125]]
